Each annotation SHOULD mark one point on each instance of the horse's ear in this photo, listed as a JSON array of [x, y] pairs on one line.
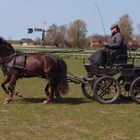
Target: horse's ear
[[2, 40]]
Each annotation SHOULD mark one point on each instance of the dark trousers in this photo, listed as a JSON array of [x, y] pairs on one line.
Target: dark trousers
[[100, 57], [107, 56]]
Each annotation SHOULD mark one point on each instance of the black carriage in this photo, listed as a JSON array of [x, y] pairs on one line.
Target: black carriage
[[107, 84]]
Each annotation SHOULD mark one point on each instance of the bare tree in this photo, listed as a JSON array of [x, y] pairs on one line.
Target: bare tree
[[138, 27], [77, 33], [62, 35], [57, 35], [137, 36], [97, 40], [125, 24]]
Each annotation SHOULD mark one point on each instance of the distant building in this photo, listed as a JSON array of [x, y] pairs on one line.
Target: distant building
[[26, 41], [133, 44]]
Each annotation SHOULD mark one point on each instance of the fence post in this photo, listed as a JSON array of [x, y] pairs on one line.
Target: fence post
[[73, 54]]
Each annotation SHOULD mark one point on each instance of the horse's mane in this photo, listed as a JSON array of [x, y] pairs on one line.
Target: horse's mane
[[4, 43]]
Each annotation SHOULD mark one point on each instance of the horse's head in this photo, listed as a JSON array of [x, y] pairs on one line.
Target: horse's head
[[6, 48]]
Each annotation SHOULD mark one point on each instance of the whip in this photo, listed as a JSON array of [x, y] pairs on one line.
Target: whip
[[101, 20]]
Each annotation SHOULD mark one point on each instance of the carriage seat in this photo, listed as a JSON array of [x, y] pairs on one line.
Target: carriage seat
[[114, 58]]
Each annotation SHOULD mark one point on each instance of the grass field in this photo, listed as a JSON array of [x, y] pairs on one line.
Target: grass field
[[72, 118]]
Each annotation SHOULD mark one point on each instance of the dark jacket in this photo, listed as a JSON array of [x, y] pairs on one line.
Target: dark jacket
[[114, 48], [116, 42]]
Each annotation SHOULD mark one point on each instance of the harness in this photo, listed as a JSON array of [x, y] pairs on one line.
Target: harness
[[16, 61], [22, 65]]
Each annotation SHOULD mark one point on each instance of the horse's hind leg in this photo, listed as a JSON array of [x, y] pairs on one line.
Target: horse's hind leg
[[57, 94], [50, 92], [47, 90]]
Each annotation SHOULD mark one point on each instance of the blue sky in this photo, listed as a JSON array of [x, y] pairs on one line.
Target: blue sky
[[17, 15]]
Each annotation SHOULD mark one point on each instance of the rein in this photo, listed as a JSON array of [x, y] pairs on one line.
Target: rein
[[7, 58]]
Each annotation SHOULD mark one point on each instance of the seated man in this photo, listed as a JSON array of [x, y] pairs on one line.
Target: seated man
[[114, 48]]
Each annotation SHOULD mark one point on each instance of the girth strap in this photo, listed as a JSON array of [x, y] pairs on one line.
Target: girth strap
[[20, 61]]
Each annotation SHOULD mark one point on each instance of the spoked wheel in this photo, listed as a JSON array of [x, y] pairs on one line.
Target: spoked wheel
[[106, 90], [87, 89], [125, 87], [135, 90]]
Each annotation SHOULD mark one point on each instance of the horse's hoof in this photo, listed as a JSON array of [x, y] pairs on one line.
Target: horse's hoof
[[19, 95], [46, 102], [7, 100]]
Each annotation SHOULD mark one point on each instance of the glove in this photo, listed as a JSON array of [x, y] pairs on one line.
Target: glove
[[106, 45]]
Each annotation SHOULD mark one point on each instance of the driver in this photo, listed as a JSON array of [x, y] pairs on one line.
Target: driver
[[113, 48]]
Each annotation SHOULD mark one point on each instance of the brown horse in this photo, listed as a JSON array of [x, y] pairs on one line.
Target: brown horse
[[21, 65]]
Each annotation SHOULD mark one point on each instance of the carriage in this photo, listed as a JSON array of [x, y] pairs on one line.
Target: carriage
[[119, 78]]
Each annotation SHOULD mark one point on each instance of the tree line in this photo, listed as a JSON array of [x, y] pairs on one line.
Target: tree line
[[74, 35]]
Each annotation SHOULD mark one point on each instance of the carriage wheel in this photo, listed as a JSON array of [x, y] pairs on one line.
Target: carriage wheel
[[87, 89], [135, 90], [125, 87], [106, 90]]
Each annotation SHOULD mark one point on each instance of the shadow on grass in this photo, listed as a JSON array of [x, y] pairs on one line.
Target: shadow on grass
[[125, 100], [67, 100], [73, 101], [33, 100]]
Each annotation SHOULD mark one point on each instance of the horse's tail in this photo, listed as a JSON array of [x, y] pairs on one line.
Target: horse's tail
[[62, 85]]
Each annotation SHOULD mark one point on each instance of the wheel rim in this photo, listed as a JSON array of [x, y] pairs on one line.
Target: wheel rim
[[124, 87], [135, 90], [107, 90], [87, 89]]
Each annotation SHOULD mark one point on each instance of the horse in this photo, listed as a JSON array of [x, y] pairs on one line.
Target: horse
[[16, 65]]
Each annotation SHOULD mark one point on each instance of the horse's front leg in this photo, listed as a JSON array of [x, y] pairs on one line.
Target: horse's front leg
[[16, 92], [8, 98], [11, 88], [4, 83]]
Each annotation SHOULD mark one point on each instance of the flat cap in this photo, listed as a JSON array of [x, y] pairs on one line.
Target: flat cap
[[114, 26]]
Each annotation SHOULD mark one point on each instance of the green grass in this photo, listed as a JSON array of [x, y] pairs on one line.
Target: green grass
[[72, 118]]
